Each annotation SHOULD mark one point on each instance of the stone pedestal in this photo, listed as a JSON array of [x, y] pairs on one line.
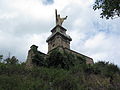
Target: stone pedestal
[[58, 38]]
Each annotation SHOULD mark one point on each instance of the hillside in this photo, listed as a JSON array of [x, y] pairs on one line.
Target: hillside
[[99, 76]]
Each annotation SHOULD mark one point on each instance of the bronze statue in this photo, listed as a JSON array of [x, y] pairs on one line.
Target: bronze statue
[[59, 20]]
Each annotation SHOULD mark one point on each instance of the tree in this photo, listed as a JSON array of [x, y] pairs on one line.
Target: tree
[[1, 57], [110, 8], [105, 68], [12, 60]]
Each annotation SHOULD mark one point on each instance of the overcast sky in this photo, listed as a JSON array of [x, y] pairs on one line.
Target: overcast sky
[[27, 22]]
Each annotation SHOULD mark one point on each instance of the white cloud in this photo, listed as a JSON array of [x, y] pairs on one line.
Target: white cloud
[[27, 22], [96, 41], [39, 40]]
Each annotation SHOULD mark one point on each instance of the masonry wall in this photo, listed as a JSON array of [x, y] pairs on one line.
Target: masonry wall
[[88, 59], [31, 54], [58, 41]]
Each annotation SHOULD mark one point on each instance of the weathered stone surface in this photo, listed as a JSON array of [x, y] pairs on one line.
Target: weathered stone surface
[[58, 38], [34, 56]]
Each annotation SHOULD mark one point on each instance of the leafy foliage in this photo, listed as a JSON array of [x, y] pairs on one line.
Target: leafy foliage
[[106, 69], [110, 8], [60, 71], [79, 77], [12, 60], [38, 57], [63, 60], [38, 60]]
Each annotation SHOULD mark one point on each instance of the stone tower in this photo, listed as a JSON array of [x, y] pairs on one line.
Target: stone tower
[[58, 38]]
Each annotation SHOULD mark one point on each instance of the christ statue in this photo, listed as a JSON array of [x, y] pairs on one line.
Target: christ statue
[[59, 20]]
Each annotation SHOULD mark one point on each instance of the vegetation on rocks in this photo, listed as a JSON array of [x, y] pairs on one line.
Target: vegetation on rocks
[[63, 59]]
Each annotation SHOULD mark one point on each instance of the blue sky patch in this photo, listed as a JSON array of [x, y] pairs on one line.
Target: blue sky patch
[[48, 2]]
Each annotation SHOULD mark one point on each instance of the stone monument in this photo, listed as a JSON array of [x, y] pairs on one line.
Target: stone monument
[[58, 40], [58, 36], [59, 20]]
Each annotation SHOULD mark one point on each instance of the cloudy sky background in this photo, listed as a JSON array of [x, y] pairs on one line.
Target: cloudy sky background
[[27, 22]]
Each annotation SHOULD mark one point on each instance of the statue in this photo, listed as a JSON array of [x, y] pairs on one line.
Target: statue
[[59, 20]]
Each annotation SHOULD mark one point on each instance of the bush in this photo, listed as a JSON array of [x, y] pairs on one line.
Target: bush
[[63, 59], [65, 82]]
